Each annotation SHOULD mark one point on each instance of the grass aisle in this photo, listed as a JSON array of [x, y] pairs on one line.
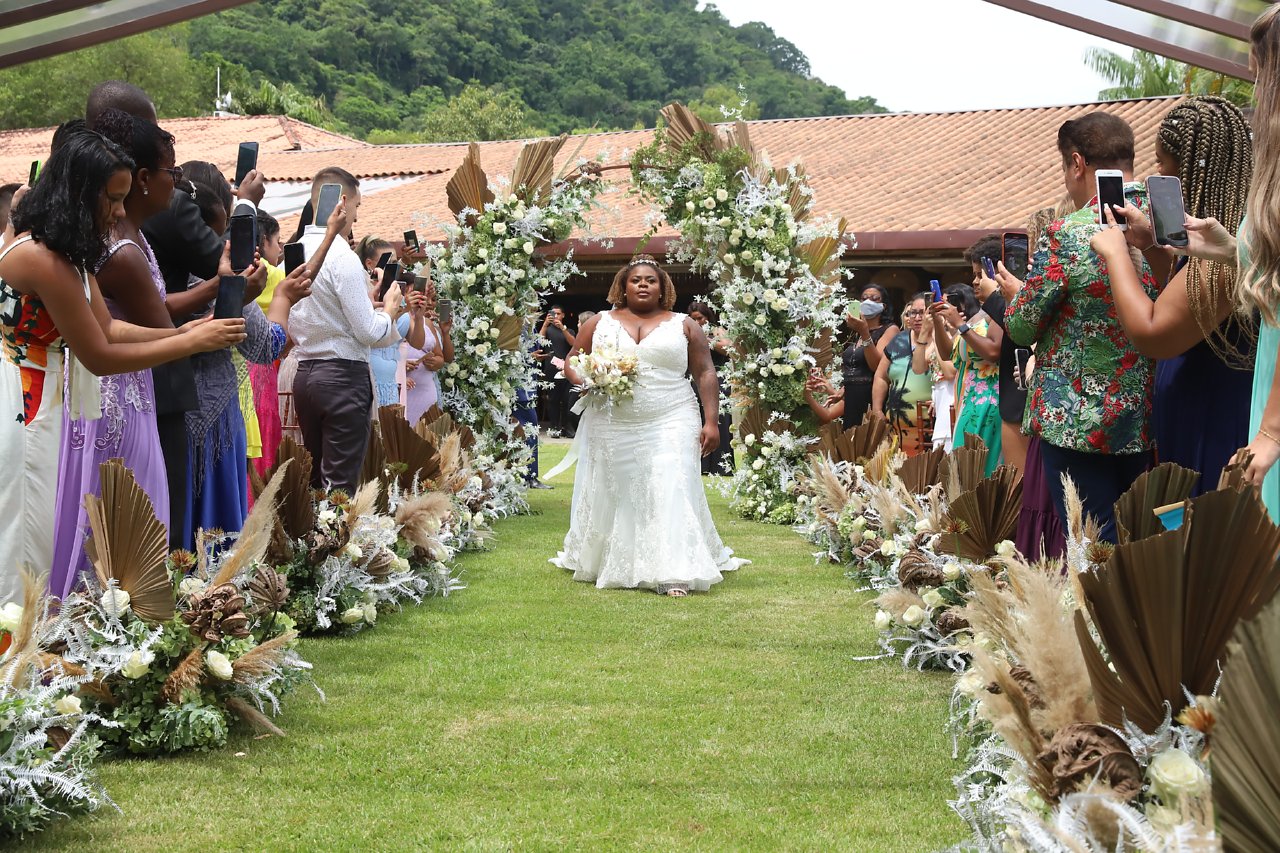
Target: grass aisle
[[532, 712]]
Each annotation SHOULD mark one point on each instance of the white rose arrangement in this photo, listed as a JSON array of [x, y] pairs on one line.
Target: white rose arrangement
[[608, 375]]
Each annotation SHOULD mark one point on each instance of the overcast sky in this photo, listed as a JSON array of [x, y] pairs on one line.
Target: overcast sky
[[932, 55]]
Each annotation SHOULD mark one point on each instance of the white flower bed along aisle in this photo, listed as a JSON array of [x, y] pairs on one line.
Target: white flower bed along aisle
[[777, 273], [489, 268]]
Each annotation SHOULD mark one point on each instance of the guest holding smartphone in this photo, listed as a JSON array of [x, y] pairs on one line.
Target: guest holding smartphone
[[859, 360], [421, 386], [385, 361], [899, 391], [961, 326]]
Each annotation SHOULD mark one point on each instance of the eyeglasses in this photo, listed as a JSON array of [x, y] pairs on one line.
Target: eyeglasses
[[175, 173], [915, 313]]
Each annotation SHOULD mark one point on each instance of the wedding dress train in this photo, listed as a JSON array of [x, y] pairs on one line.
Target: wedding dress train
[[639, 516]]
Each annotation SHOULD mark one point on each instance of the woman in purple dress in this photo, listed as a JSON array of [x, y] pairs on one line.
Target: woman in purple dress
[[133, 290]]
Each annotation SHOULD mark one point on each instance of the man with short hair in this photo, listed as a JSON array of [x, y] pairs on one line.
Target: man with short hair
[[334, 330], [118, 95], [1090, 394]]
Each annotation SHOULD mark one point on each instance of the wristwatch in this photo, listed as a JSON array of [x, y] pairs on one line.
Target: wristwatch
[[963, 328]]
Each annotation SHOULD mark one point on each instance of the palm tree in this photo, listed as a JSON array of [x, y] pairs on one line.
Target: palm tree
[[1148, 75], [283, 100]]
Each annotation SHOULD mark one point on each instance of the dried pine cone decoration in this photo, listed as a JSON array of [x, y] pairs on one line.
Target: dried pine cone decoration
[[868, 548], [949, 621], [381, 564], [915, 571], [268, 590], [183, 562], [320, 546], [1081, 752], [218, 613]]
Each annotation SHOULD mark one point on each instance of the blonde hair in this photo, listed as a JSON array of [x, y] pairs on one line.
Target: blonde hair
[[1259, 287], [618, 290]]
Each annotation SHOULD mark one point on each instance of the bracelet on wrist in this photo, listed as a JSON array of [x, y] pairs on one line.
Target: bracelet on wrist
[[1262, 432]]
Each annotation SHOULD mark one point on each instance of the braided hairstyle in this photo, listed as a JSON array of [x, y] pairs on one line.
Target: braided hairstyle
[[1211, 140]]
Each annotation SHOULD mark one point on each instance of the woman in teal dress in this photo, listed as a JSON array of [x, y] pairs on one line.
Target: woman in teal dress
[[977, 379]]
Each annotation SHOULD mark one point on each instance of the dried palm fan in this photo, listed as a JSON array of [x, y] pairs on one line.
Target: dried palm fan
[[469, 186], [1165, 606], [980, 519], [921, 471], [820, 255], [868, 437], [830, 437], [408, 449], [129, 544], [1135, 511], [1233, 473], [297, 512], [535, 169], [684, 127], [375, 456], [256, 534], [508, 332], [1246, 739], [964, 467]]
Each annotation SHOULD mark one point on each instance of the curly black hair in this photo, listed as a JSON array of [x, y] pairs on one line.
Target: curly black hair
[[148, 144], [61, 210], [211, 188]]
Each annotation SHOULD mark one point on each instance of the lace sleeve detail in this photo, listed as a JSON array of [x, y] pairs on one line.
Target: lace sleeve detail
[[259, 344]]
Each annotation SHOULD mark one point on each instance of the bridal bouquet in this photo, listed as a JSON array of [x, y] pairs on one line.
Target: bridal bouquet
[[606, 374]]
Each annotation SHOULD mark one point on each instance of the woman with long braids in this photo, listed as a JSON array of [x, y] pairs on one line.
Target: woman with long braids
[[1200, 405]]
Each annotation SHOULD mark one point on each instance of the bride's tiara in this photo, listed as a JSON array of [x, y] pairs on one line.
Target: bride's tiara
[[645, 260]]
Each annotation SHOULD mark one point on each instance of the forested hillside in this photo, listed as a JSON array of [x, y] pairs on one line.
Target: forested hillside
[[438, 70]]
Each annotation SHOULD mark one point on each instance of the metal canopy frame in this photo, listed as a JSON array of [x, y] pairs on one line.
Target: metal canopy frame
[[35, 29], [1218, 27]]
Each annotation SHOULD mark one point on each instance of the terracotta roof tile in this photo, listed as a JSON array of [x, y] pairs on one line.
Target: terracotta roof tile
[[927, 174]]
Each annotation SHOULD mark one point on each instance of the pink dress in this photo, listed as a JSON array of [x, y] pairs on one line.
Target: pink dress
[[426, 390]]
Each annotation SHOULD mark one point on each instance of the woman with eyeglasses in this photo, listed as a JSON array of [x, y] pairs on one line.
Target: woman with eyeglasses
[[899, 391], [960, 326], [870, 323]]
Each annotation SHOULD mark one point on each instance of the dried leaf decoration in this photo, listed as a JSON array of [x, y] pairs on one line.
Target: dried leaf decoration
[[964, 468], [408, 449], [821, 257], [857, 444], [1135, 511], [535, 168], [684, 127], [256, 534], [1166, 606], [984, 516], [1246, 743], [1233, 473], [469, 186], [922, 471], [129, 544], [297, 511], [508, 332], [375, 460]]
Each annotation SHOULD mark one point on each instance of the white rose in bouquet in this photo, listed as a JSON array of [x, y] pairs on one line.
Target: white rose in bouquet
[[951, 571], [192, 586], [499, 228], [482, 350], [10, 616], [352, 615], [138, 664], [1173, 773], [748, 298], [219, 665], [913, 616], [528, 247], [883, 620], [115, 601], [370, 613], [933, 598], [722, 195], [1006, 549], [67, 706]]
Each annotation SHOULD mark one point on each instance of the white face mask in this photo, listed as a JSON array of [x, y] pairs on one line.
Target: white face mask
[[872, 309]]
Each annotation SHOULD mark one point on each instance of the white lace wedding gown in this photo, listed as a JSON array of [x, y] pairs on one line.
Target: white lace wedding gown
[[640, 516]]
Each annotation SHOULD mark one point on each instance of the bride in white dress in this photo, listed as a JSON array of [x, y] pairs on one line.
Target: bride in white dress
[[640, 516]]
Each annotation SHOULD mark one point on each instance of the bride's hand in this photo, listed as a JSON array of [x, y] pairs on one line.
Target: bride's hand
[[710, 438]]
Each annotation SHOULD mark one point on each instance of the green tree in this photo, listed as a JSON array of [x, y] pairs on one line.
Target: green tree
[[479, 113], [50, 91], [268, 99], [720, 98], [1147, 75]]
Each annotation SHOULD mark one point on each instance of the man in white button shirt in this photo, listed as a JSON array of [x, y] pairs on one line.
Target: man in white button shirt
[[333, 331]]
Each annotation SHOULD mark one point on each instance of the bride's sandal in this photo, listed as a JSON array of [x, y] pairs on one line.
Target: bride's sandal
[[673, 590]]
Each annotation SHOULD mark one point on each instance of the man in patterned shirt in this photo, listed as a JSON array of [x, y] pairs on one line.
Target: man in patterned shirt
[[1090, 395]]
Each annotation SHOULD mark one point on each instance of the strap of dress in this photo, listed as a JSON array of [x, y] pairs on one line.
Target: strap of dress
[[15, 244]]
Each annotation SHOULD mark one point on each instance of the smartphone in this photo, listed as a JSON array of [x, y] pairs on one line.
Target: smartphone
[[295, 255], [1168, 215], [330, 195], [420, 283], [855, 308], [1010, 244], [411, 240], [1111, 194], [35, 173], [230, 302], [244, 242], [988, 268], [444, 310], [936, 287], [246, 161], [390, 273], [1022, 357], [384, 260]]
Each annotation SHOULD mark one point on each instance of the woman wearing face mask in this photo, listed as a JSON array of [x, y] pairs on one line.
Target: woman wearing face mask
[[858, 363], [640, 517], [955, 321]]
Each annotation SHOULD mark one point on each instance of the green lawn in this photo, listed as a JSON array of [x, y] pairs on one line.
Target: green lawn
[[532, 712]]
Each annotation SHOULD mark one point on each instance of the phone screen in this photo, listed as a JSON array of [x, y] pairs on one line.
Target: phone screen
[[411, 240], [1168, 215], [230, 301], [1111, 194], [246, 161], [35, 173], [389, 274], [295, 255], [330, 195], [243, 242], [420, 283], [384, 260]]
